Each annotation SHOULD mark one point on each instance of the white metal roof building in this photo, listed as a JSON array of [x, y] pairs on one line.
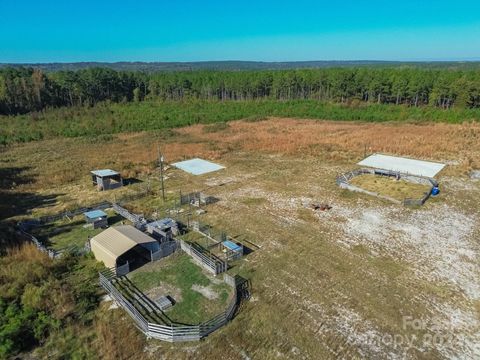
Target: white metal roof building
[[198, 166], [403, 165]]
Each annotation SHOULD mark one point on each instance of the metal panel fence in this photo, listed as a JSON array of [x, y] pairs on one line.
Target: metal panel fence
[[170, 332], [344, 182], [138, 221], [166, 249], [99, 206], [24, 226], [52, 254], [206, 260], [123, 269]]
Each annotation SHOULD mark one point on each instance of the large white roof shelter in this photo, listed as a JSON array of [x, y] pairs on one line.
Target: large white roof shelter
[[403, 165], [198, 166]]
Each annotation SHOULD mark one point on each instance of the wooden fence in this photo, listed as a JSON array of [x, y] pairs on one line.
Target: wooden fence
[[206, 260], [171, 332]]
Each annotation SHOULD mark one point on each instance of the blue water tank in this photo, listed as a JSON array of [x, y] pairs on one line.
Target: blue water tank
[[435, 191]]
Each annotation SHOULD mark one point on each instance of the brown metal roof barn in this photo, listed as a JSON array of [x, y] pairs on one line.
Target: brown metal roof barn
[[124, 245]]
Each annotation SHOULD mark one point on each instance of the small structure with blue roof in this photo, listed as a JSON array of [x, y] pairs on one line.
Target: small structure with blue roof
[[106, 179], [96, 219], [232, 250]]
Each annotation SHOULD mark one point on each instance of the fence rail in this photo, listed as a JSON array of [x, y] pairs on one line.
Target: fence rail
[[138, 221], [344, 182], [52, 254], [166, 249], [24, 226], [208, 261], [99, 206], [170, 332]]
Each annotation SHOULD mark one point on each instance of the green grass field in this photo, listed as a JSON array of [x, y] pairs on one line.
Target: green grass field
[[102, 120]]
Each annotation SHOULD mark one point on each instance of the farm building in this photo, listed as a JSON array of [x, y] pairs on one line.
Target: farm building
[[403, 165], [96, 219], [123, 248], [232, 251], [163, 230], [106, 179]]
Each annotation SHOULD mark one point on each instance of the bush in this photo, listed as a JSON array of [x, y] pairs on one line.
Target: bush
[[39, 297]]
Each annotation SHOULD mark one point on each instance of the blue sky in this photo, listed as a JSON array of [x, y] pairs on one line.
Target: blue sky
[[107, 30]]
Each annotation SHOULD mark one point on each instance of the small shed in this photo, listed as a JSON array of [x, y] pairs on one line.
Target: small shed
[[232, 250], [106, 179], [123, 247], [163, 230], [96, 218]]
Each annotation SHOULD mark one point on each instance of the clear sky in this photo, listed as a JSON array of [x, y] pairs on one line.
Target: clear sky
[[271, 30]]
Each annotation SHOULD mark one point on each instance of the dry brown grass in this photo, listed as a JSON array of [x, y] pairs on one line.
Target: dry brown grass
[[388, 186], [116, 337], [27, 252], [289, 136], [62, 161]]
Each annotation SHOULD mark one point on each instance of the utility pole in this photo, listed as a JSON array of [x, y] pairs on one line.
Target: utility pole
[[160, 159]]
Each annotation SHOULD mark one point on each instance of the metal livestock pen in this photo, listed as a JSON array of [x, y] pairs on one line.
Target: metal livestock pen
[[171, 332]]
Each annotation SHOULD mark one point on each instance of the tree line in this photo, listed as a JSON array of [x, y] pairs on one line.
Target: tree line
[[24, 90]]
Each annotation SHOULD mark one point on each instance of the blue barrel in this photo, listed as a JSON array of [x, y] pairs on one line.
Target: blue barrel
[[435, 191]]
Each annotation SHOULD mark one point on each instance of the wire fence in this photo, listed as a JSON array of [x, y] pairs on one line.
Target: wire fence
[[25, 226]]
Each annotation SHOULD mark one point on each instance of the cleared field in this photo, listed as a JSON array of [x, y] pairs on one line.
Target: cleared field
[[325, 284], [389, 186]]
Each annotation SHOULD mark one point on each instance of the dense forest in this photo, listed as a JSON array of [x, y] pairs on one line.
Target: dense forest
[[235, 65], [24, 90]]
